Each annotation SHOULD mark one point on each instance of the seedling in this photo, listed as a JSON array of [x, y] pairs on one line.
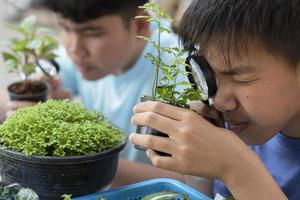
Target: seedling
[[168, 83], [26, 49]]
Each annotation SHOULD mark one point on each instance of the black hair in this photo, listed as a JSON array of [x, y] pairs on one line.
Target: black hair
[[80, 11], [234, 24]]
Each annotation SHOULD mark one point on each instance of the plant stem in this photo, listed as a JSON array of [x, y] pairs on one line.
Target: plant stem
[[173, 89], [158, 65]]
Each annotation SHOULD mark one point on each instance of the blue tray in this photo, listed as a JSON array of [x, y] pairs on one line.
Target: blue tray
[[139, 190]]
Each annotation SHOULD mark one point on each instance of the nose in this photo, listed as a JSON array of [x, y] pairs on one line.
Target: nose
[[76, 46], [225, 100]]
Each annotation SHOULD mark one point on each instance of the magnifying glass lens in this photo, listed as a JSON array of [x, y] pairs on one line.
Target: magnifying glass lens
[[199, 77], [48, 67]]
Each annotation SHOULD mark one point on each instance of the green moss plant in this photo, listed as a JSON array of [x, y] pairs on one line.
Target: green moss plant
[[58, 128]]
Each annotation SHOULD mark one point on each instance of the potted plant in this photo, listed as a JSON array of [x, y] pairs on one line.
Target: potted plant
[[23, 55], [170, 83], [59, 147]]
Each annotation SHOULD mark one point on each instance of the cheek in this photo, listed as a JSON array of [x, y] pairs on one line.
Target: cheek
[[270, 107], [109, 51]]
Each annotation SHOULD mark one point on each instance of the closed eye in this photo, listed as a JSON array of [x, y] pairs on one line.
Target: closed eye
[[245, 82]]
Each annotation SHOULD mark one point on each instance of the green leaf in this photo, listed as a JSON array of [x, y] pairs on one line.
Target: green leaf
[[28, 68], [67, 196], [50, 56], [26, 194], [184, 83], [44, 30], [11, 64], [163, 29], [34, 44], [20, 45], [27, 23], [8, 56]]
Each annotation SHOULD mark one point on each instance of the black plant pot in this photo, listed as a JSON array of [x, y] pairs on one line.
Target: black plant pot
[[149, 131], [39, 96], [51, 177]]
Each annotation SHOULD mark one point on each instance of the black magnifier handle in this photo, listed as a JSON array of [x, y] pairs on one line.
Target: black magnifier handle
[[55, 65]]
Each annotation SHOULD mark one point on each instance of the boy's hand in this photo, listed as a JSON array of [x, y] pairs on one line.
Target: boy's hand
[[56, 92], [197, 146], [208, 112]]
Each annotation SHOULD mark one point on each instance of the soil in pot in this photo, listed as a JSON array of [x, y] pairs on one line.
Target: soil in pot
[[28, 90]]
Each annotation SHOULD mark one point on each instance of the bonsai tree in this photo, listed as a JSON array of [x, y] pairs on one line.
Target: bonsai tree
[[170, 83], [59, 147], [22, 54]]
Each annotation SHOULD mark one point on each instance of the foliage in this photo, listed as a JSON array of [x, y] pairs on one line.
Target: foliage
[[168, 88], [26, 194], [67, 197], [32, 44], [6, 193], [58, 128]]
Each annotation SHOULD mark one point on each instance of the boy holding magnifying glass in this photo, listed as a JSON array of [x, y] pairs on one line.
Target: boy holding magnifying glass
[[253, 49]]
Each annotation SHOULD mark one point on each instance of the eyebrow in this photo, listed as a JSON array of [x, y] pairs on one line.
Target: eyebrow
[[238, 70], [84, 28]]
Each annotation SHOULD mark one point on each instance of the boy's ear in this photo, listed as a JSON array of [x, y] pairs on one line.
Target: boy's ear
[[142, 25]]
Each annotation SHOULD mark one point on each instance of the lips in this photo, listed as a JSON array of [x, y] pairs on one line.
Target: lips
[[237, 127], [83, 68]]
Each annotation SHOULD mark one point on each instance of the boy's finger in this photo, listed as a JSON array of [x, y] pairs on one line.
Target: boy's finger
[[60, 94], [153, 142], [164, 162], [203, 109], [55, 82], [156, 121], [169, 111]]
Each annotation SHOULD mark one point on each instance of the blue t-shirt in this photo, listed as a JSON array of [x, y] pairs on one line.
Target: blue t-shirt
[[281, 156], [116, 95]]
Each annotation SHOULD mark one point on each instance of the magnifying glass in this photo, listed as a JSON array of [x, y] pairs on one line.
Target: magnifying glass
[[201, 76], [49, 67]]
